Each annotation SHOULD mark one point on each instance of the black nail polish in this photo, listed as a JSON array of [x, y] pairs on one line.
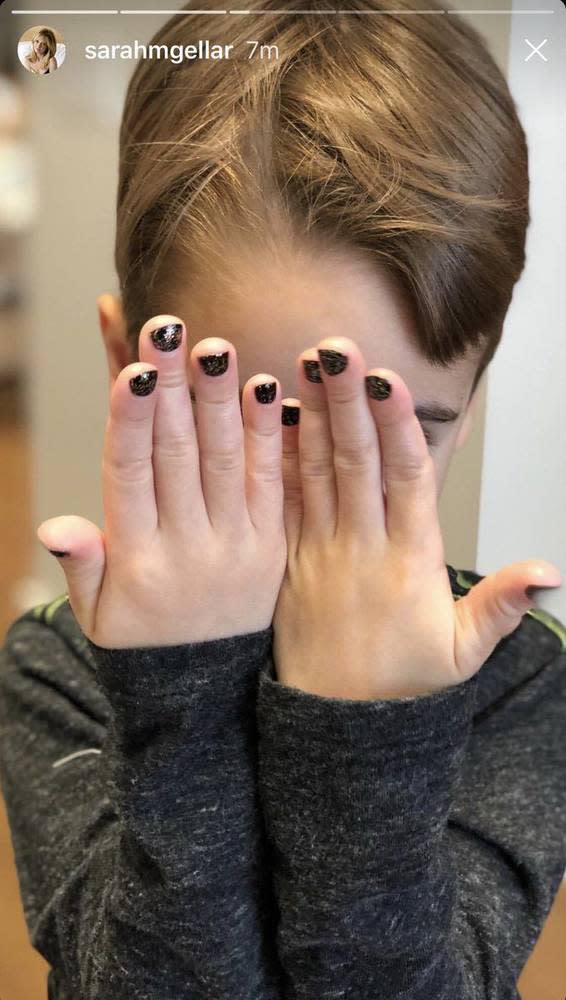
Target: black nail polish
[[144, 383], [266, 392], [55, 552], [378, 388], [312, 371], [214, 364], [290, 415], [333, 362], [167, 338], [532, 592]]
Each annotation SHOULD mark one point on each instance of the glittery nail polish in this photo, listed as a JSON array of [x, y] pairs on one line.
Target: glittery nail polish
[[144, 383], [215, 364], [532, 592], [333, 362], [290, 415], [312, 371], [266, 392], [55, 552], [167, 338], [378, 388]]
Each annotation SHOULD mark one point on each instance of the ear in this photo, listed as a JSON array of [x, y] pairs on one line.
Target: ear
[[114, 333], [467, 422]]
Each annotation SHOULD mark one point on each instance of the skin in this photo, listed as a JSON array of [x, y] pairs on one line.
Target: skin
[[333, 520], [41, 49], [274, 319]]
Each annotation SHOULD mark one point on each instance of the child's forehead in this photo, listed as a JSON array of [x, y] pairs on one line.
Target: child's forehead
[[277, 311], [275, 349]]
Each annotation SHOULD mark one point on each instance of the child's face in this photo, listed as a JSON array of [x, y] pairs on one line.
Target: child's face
[[278, 312]]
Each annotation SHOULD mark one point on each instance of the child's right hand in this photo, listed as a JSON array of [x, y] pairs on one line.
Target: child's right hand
[[194, 543]]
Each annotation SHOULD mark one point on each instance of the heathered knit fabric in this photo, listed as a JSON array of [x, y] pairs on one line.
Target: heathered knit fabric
[[225, 836]]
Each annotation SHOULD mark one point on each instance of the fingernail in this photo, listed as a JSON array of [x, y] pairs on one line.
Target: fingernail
[[215, 364], [531, 592], [266, 392], [378, 388], [144, 383], [55, 552], [167, 338], [333, 362], [290, 415], [312, 371]]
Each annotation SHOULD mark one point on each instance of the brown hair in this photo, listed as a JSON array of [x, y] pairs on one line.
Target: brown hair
[[394, 134]]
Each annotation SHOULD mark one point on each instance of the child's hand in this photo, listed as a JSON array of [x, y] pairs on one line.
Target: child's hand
[[194, 542], [366, 610]]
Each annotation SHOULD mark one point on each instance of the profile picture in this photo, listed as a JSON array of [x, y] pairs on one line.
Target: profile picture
[[41, 50]]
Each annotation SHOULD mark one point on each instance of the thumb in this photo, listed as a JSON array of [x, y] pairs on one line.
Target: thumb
[[79, 545], [494, 608]]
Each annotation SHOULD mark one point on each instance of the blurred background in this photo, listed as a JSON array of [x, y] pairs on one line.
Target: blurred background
[[505, 495]]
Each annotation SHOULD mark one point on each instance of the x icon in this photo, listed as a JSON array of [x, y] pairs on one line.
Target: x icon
[[536, 49]]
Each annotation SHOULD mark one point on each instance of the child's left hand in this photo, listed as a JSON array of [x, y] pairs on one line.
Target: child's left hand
[[365, 610]]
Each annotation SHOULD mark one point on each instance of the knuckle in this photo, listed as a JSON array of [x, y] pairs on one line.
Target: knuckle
[[264, 431], [291, 476], [316, 466], [267, 472], [293, 490], [126, 469], [345, 394], [141, 572], [402, 472], [409, 469], [228, 403], [122, 423], [174, 377], [353, 457], [174, 446], [229, 460]]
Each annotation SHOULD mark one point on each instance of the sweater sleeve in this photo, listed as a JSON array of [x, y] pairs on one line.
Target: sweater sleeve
[[130, 782], [418, 842]]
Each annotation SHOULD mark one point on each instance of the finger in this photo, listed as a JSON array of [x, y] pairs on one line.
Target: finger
[[292, 502], [130, 510], [261, 409], [316, 451], [79, 546], [407, 467], [214, 371], [356, 444], [176, 472]]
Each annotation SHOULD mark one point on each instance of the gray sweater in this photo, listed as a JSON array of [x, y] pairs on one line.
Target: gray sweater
[[186, 827]]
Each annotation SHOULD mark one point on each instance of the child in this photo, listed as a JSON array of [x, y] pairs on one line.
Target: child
[[269, 744]]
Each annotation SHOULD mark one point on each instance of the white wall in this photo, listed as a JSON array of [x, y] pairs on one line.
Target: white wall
[[74, 125], [523, 492], [459, 502]]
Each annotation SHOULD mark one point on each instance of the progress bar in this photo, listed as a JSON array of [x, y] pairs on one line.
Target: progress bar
[[377, 13]]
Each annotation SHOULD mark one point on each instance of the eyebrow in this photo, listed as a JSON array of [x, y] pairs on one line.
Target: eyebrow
[[429, 411], [437, 412]]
